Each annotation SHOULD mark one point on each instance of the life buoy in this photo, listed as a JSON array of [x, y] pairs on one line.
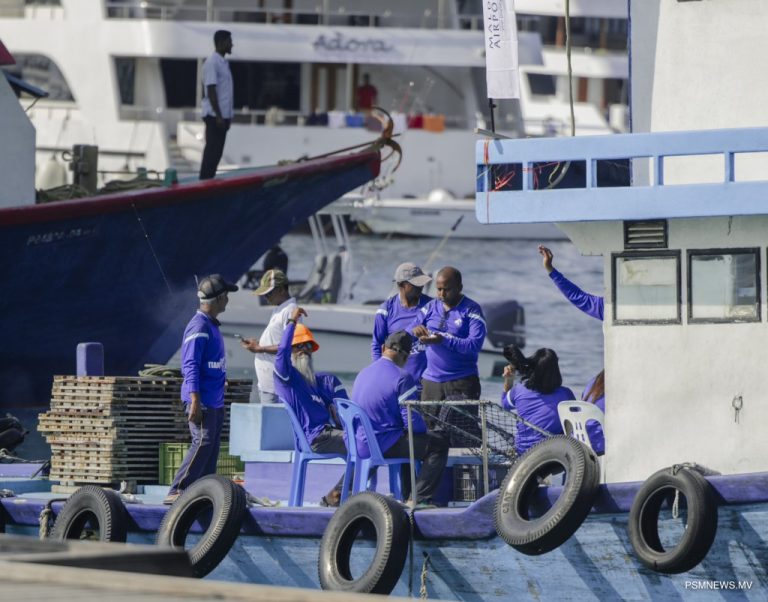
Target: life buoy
[[360, 513], [227, 503], [541, 534], [696, 499], [100, 509]]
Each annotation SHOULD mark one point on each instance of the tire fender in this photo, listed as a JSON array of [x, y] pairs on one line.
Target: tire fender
[[229, 506], [700, 528], [541, 534], [392, 527], [91, 505]]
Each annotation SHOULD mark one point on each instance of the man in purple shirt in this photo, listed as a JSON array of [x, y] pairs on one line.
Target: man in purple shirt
[[592, 305], [310, 394], [379, 389], [398, 312], [453, 329], [204, 368]]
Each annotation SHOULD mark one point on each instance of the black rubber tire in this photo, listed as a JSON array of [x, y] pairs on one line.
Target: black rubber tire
[[393, 533], [545, 533], [701, 524], [88, 505], [229, 505]]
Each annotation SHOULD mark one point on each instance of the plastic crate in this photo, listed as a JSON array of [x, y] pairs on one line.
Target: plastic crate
[[172, 454], [468, 480]]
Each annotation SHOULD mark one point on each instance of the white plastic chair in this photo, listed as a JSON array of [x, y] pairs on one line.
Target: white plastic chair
[[574, 416]]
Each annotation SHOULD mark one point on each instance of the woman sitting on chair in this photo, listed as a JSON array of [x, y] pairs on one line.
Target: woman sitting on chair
[[594, 392], [536, 396]]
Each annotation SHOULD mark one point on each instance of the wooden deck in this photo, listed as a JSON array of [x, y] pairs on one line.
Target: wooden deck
[[23, 581], [56, 571]]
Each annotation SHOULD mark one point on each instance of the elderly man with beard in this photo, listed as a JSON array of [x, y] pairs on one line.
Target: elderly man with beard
[[310, 394]]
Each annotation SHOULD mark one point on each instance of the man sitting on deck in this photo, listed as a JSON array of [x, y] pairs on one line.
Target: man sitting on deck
[[309, 394], [379, 389]]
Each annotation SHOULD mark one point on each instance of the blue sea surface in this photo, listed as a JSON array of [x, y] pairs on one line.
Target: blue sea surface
[[491, 270]]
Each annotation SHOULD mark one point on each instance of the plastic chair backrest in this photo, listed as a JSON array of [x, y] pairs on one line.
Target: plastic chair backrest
[[351, 415], [299, 437], [574, 416]]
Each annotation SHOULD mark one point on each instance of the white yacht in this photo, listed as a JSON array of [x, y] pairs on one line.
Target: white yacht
[[125, 75]]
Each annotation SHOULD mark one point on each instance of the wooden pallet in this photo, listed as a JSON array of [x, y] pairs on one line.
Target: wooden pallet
[[107, 429]]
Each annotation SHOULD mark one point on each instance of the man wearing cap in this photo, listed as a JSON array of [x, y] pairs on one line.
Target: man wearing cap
[[399, 311], [274, 288], [204, 368], [310, 394], [379, 389], [453, 329]]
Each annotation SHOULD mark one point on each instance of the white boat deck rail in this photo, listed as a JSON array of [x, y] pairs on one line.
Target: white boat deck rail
[[731, 191]]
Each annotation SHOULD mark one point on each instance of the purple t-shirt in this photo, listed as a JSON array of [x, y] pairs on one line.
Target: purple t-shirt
[[379, 389], [463, 331], [594, 430], [392, 316], [591, 305], [203, 361], [539, 409], [310, 404]]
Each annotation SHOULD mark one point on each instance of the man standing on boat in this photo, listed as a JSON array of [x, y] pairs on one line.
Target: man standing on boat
[[379, 389], [274, 288], [453, 329], [310, 394], [218, 103], [398, 312], [592, 305], [204, 368]]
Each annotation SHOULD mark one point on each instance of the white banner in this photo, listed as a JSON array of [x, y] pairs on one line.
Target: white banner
[[501, 70]]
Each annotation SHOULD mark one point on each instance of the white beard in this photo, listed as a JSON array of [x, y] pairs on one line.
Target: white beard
[[303, 363]]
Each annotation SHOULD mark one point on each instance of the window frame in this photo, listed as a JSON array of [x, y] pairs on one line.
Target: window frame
[[651, 254], [691, 253]]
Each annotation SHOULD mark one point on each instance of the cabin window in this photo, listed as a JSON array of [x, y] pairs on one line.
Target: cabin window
[[646, 288], [724, 285], [42, 72]]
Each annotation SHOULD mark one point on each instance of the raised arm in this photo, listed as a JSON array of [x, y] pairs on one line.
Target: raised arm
[[283, 358], [591, 305]]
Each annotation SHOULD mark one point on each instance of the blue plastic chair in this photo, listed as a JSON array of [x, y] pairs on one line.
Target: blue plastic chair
[[302, 455], [350, 415]]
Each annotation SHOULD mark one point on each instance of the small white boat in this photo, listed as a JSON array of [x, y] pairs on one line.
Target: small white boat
[[439, 214], [344, 333], [343, 329]]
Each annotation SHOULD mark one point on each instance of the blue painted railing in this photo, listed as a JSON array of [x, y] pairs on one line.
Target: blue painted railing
[[509, 170]]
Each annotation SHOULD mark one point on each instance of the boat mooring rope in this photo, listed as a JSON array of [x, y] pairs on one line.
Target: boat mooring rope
[[46, 514], [412, 526], [423, 593]]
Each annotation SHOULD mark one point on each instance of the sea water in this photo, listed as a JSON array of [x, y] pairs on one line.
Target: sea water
[[491, 270]]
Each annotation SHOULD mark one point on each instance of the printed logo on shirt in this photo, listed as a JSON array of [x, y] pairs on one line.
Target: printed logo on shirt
[[457, 321], [220, 365]]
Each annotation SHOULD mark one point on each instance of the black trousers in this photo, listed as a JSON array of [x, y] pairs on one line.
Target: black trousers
[[461, 422], [215, 136], [432, 450]]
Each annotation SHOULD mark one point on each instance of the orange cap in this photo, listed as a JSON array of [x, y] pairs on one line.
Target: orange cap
[[302, 334]]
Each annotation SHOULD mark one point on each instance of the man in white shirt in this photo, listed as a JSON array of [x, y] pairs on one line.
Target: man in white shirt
[[274, 288], [218, 103]]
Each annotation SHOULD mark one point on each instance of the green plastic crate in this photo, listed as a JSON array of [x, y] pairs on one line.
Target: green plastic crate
[[172, 454]]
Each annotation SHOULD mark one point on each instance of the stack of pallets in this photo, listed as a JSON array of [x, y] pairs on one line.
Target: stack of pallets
[[107, 429]]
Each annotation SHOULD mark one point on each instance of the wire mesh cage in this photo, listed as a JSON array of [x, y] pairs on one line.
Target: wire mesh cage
[[483, 429]]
